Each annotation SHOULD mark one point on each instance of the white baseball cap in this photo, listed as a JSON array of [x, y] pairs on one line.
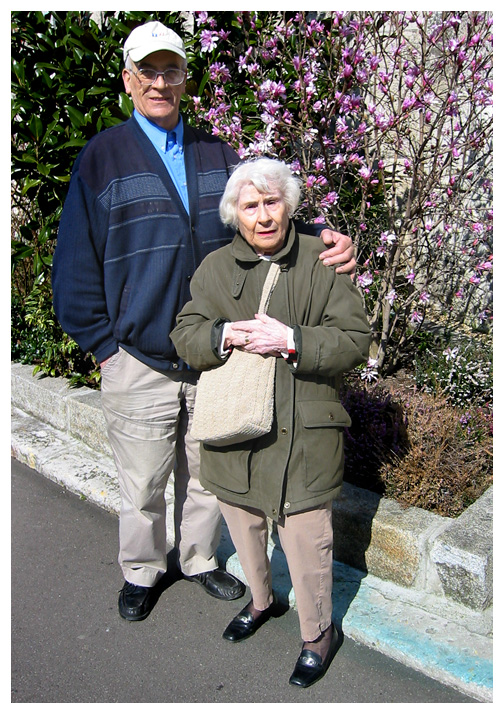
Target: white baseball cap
[[151, 37]]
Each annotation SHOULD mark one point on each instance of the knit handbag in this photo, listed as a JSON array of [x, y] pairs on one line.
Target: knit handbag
[[235, 401]]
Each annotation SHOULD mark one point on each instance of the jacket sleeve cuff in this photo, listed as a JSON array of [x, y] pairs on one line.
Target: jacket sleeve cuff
[[217, 339]]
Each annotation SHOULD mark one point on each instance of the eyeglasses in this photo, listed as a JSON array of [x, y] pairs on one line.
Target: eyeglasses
[[170, 76]]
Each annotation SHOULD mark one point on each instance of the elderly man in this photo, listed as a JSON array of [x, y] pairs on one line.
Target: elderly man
[[141, 213]]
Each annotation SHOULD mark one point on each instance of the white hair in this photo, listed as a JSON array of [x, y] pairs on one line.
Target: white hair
[[265, 175]]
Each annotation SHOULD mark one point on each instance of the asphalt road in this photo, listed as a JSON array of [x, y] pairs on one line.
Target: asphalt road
[[70, 645]]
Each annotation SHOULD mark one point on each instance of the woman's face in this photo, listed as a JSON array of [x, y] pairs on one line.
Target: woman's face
[[262, 219]]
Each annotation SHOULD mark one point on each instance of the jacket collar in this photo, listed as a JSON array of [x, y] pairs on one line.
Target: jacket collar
[[244, 252]]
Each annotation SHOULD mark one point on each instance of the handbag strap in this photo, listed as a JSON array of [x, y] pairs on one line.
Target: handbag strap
[[269, 286]]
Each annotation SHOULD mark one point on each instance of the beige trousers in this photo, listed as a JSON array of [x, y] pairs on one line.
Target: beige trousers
[[307, 541], [148, 416]]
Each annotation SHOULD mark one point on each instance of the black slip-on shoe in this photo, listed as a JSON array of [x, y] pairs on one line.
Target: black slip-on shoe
[[136, 601], [219, 583], [310, 667], [243, 624]]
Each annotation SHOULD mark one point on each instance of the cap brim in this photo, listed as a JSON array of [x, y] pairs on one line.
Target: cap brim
[[139, 53]]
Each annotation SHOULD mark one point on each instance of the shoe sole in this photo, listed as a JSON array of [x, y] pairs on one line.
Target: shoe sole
[[135, 618]]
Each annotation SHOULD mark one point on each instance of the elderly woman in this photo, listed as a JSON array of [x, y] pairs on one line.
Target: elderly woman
[[316, 329]]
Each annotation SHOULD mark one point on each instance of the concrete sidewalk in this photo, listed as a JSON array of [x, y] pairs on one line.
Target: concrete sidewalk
[[415, 586]]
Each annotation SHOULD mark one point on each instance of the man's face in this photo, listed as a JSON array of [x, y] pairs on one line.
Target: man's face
[[158, 102]]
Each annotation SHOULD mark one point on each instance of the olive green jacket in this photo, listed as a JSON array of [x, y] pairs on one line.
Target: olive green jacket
[[299, 464]]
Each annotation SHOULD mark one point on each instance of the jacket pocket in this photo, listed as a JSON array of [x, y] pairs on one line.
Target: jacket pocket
[[227, 468], [322, 443], [315, 414]]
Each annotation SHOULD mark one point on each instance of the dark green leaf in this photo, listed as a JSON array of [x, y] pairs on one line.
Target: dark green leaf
[[76, 117]]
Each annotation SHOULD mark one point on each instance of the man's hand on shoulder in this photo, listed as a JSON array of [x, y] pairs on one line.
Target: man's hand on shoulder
[[340, 252]]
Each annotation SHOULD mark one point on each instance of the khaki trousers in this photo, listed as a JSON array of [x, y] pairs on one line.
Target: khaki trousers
[[148, 416], [307, 541]]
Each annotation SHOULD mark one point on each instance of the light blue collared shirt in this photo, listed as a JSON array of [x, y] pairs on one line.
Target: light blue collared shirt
[[170, 147]]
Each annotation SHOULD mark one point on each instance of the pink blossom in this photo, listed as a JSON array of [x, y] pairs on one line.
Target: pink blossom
[[332, 197], [365, 279], [408, 103], [242, 60], [486, 265], [208, 40], [272, 90], [287, 117], [201, 17], [341, 126], [388, 238], [381, 120], [411, 277], [370, 372], [374, 61], [409, 80], [219, 72]]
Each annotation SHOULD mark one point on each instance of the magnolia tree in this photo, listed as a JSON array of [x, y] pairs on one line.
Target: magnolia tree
[[386, 117]]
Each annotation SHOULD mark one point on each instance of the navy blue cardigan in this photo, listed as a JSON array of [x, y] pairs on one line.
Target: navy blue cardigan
[[127, 249]]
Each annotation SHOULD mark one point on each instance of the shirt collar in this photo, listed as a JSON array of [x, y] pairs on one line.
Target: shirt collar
[[159, 136]]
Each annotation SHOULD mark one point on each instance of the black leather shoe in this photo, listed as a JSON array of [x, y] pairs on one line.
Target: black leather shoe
[[310, 667], [219, 583], [244, 625], [136, 601]]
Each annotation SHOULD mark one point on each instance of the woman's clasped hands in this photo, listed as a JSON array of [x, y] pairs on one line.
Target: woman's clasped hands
[[264, 335]]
